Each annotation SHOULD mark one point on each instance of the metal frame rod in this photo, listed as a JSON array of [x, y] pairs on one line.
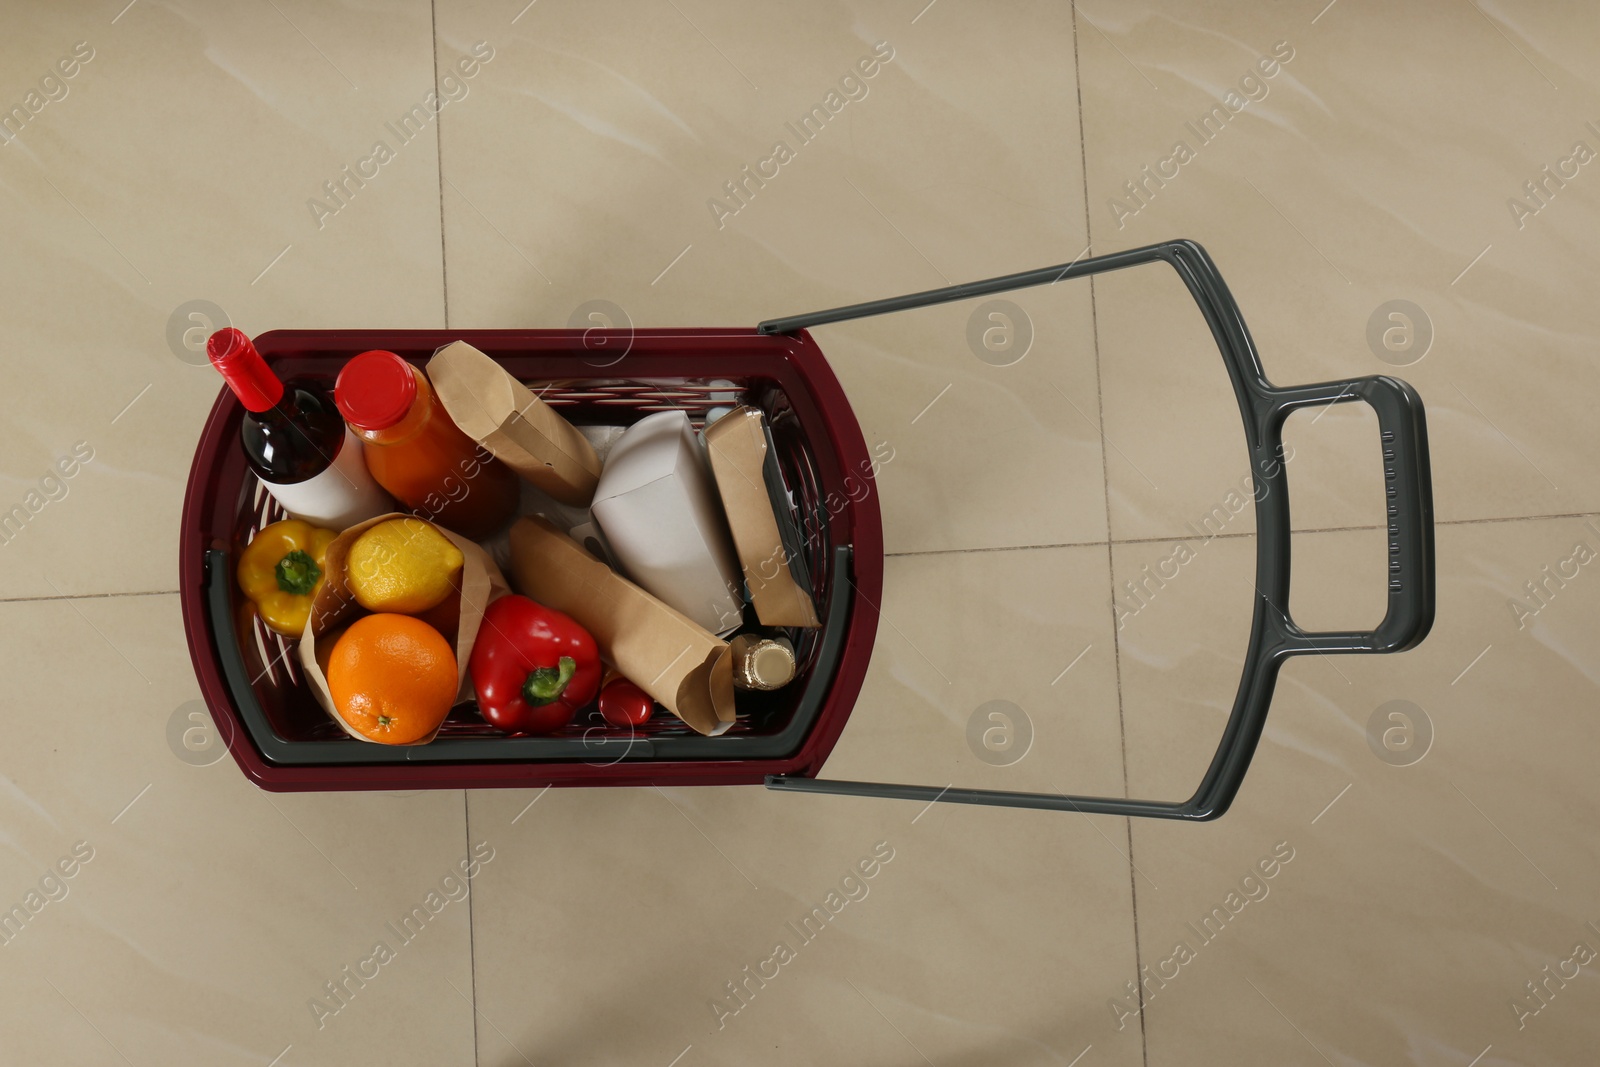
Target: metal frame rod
[[966, 290], [1274, 637]]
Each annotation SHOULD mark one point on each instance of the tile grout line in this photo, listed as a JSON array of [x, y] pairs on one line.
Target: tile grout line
[[438, 153], [1105, 482], [1000, 548], [472, 937], [955, 551], [444, 287], [86, 596], [1514, 518], [1099, 395], [1008, 547], [1178, 537]]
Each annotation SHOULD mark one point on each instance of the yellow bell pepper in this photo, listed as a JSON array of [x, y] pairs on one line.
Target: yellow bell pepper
[[281, 570]]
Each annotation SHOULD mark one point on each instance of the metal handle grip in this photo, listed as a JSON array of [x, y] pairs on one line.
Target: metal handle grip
[[1408, 509]]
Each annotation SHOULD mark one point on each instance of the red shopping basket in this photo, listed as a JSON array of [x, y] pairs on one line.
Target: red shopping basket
[[282, 739]]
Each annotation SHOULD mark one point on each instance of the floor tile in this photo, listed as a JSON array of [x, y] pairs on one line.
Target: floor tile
[[930, 175], [1406, 873], [992, 670], [1350, 177], [205, 916], [179, 167], [983, 935], [1434, 802]]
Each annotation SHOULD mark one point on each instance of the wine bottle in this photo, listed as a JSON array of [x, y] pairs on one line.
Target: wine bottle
[[296, 441]]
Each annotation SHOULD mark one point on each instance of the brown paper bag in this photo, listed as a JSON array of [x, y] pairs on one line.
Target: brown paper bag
[[504, 416], [335, 607], [737, 446], [688, 670]]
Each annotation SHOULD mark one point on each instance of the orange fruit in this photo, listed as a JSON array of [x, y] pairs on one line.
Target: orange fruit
[[392, 678]]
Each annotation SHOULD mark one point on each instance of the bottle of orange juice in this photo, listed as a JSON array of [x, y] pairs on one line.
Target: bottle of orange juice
[[417, 453]]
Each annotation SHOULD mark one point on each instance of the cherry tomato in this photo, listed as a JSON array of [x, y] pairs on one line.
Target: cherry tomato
[[624, 704]]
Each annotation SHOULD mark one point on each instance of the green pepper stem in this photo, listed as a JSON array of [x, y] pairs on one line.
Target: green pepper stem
[[546, 684], [297, 573]]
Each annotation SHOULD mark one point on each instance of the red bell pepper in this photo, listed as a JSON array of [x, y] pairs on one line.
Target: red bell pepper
[[532, 667]]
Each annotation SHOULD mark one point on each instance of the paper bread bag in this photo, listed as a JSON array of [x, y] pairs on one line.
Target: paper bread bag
[[504, 416], [688, 670], [751, 486]]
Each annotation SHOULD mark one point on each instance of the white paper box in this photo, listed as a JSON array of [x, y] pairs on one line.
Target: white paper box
[[662, 518]]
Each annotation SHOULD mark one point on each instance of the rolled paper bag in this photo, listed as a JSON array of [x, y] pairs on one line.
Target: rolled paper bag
[[504, 416], [687, 669], [739, 446]]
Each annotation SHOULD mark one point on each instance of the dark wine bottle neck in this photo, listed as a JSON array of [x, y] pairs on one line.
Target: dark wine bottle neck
[[284, 413], [295, 439]]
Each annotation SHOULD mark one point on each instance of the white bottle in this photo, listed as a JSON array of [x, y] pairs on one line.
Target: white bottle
[[340, 496]]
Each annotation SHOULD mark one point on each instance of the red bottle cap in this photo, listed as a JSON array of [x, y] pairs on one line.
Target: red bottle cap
[[241, 366], [375, 390]]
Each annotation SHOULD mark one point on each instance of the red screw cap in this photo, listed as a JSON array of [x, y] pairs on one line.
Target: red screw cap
[[241, 366], [375, 390]]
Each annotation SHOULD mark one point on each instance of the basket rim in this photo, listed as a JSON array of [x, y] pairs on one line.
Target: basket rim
[[795, 362]]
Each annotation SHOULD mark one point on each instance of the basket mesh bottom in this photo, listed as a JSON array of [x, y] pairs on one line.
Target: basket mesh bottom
[[275, 667]]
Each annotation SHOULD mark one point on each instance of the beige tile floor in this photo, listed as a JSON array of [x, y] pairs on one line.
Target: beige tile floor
[[1411, 900]]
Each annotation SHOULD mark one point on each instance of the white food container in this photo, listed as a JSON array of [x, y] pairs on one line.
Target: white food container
[[663, 520]]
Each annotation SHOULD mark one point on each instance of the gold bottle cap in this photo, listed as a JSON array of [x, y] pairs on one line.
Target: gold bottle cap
[[762, 662]]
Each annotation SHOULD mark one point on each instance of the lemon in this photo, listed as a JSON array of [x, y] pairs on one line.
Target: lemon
[[402, 565]]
